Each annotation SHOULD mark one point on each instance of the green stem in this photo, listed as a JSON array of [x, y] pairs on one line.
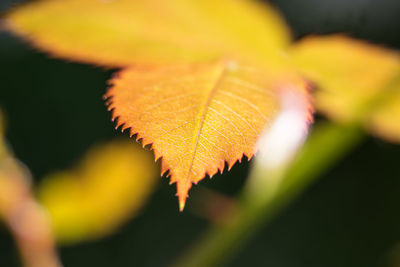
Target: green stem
[[327, 144]]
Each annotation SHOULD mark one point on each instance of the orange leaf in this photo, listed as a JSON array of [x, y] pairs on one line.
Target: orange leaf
[[197, 109], [198, 116]]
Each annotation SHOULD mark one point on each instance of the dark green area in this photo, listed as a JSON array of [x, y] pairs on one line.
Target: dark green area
[[350, 218]]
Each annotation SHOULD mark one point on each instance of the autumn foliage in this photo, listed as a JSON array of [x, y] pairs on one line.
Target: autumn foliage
[[202, 79]]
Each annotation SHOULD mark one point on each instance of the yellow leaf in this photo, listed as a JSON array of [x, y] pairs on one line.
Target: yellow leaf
[[350, 74], [110, 185], [198, 116], [384, 121], [122, 32]]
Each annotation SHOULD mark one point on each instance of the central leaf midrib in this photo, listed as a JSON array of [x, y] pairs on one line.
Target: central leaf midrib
[[204, 114]]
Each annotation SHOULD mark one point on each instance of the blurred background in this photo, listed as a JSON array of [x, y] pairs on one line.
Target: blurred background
[[350, 217]]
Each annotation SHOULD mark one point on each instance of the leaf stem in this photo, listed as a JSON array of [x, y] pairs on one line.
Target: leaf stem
[[327, 144], [27, 221]]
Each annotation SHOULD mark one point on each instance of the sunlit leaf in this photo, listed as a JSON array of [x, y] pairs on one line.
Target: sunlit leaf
[[355, 80], [349, 73], [203, 85], [122, 32], [109, 186], [197, 117], [384, 121]]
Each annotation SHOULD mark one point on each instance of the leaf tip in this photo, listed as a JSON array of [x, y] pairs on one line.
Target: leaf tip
[[182, 192], [182, 205]]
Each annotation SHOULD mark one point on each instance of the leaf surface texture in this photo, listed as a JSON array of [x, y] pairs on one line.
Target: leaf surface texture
[[197, 117], [202, 78]]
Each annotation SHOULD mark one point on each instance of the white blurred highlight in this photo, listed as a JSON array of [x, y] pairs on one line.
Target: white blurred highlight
[[279, 143]]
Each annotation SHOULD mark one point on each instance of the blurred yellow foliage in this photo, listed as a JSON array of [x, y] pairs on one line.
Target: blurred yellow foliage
[[359, 82], [109, 186], [126, 32], [384, 121], [350, 73]]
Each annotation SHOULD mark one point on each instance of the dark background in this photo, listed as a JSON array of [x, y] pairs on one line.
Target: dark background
[[349, 218]]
